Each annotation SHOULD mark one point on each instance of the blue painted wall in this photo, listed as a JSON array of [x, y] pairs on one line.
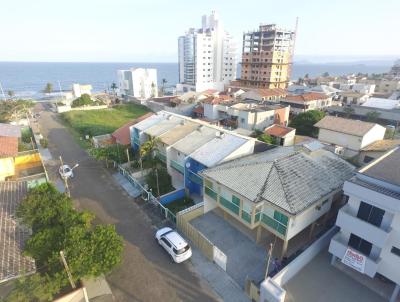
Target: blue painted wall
[[170, 197], [195, 167]]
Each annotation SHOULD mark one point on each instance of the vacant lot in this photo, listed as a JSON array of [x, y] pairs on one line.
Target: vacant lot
[[97, 122]]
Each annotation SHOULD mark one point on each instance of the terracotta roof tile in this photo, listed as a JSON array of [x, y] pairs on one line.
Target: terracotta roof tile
[[306, 97], [382, 145], [8, 146], [278, 130]]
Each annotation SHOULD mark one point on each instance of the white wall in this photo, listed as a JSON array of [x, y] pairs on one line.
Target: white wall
[[345, 140], [376, 133], [246, 149], [210, 111]]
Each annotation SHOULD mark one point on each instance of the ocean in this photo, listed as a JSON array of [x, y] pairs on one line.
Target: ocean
[[27, 79]]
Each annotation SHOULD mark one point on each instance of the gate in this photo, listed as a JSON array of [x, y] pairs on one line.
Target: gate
[[220, 258]]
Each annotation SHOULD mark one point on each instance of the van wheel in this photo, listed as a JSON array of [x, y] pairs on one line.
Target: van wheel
[[172, 258]]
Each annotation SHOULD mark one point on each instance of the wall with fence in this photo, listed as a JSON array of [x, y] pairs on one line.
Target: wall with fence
[[66, 108], [196, 237], [172, 196]]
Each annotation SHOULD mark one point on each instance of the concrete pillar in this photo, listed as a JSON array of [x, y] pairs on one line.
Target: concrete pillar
[[284, 248], [258, 236], [393, 297], [333, 259]]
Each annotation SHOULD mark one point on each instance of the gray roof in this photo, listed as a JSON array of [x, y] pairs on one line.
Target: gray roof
[[344, 125], [195, 140], [10, 130], [386, 169], [290, 180], [12, 235]]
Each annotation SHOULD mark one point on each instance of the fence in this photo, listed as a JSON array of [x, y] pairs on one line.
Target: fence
[[147, 195], [197, 238], [172, 196]]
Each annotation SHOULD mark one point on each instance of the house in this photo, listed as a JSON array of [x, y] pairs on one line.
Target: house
[[139, 83], [347, 137], [13, 262], [325, 89], [9, 136], [78, 90], [382, 103], [281, 191], [368, 242], [283, 135], [261, 94], [223, 147], [377, 149], [122, 136], [363, 88], [307, 101], [353, 98]]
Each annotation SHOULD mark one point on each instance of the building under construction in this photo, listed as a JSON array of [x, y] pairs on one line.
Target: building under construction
[[267, 57]]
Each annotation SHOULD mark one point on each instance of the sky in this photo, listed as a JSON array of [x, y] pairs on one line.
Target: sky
[[147, 31]]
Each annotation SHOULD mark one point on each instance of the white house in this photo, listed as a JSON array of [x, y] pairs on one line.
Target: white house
[[307, 101], [347, 137], [369, 236], [140, 83], [353, 98], [78, 90]]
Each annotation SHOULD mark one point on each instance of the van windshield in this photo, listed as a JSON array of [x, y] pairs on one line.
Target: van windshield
[[182, 250]]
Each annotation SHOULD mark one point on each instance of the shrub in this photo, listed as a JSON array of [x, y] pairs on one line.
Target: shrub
[[44, 142], [304, 122], [83, 100]]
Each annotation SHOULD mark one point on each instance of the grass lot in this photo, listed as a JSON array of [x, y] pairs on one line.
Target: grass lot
[[103, 121], [179, 204]]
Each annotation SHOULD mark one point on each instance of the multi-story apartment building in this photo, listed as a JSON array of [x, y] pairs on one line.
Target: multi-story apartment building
[[207, 57], [140, 83], [369, 236], [267, 57]]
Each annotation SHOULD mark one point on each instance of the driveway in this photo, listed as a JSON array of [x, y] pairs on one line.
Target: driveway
[[146, 272]]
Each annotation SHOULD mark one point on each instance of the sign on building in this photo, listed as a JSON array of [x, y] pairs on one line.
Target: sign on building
[[354, 259]]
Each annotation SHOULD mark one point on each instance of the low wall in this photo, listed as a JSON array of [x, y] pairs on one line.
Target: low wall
[[289, 271], [27, 157], [77, 295], [172, 196], [66, 108]]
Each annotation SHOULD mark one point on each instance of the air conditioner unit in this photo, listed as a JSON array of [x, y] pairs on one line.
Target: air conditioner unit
[[339, 150]]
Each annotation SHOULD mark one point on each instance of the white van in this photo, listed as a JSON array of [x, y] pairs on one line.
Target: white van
[[174, 244]]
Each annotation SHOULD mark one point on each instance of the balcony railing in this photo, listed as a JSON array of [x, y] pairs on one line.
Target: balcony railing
[[161, 156], [229, 205], [272, 223], [246, 216], [210, 192], [350, 222], [195, 178], [178, 167]]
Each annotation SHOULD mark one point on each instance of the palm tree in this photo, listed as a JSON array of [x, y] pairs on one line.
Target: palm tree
[[148, 148], [11, 93], [348, 111], [114, 87]]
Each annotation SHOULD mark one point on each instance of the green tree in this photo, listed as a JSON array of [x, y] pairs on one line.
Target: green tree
[[147, 149], [348, 111], [48, 88], [373, 116], [83, 100], [325, 74], [266, 138], [304, 122], [163, 82], [114, 88]]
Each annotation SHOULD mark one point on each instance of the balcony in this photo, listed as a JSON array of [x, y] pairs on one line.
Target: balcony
[[338, 247], [178, 167], [229, 205], [348, 221]]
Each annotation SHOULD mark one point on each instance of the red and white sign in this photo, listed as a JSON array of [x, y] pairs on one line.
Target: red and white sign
[[354, 259]]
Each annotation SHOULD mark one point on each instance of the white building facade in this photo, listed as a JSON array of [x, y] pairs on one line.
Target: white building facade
[[207, 57], [140, 83], [369, 236]]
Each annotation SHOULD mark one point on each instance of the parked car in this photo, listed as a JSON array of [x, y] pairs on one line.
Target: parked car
[[177, 247], [66, 172]]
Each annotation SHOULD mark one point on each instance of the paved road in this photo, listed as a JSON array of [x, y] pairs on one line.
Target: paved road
[[147, 273]]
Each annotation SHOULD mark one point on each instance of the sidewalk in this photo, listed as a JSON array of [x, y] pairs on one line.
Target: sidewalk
[[219, 280]]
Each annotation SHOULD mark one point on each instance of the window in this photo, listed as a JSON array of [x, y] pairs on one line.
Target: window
[[281, 218], [370, 214], [236, 200], [360, 244], [166, 242], [395, 251]]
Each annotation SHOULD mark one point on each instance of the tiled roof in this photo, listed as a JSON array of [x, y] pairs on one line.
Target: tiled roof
[[307, 97], [175, 134], [290, 180], [10, 130], [122, 136], [12, 235], [278, 130], [215, 100], [344, 125], [8, 146], [217, 149], [150, 121], [195, 140], [271, 92], [382, 145]]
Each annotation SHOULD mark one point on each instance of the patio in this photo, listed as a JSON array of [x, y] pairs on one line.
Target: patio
[[244, 257]]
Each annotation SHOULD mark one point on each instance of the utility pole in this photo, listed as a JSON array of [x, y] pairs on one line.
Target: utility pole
[[67, 270], [65, 179], [270, 250]]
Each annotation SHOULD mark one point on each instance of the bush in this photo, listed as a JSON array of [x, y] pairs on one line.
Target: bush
[[164, 181], [114, 152], [266, 138], [44, 142], [82, 101], [26, 135]]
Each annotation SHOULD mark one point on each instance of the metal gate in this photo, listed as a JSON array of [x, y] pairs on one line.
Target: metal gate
[[220, 258]]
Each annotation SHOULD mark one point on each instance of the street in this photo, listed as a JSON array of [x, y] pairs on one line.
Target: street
[[146, 272]]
